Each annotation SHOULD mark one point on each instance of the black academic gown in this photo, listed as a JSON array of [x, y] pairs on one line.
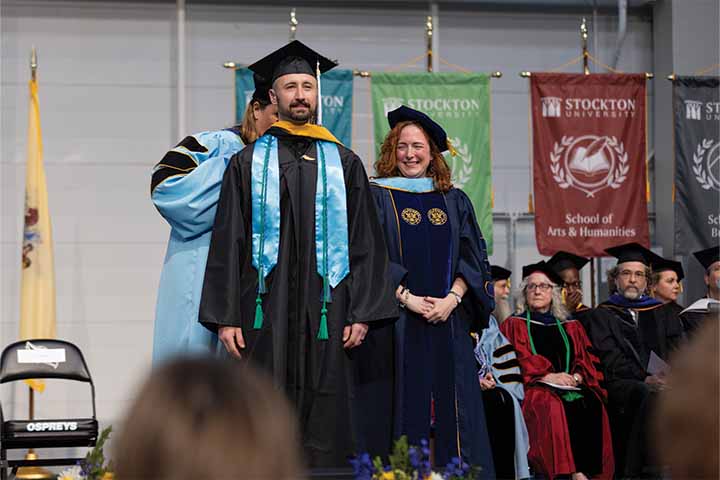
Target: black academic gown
[[467, 431], [317, 375], [624, 347]]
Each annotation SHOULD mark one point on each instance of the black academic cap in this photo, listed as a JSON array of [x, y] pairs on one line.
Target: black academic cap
[[631, 252], [499, 273], [433, 129], [295, 57], [660, 264], [708, 256], [262, 87], [563, 260], [543, 267]]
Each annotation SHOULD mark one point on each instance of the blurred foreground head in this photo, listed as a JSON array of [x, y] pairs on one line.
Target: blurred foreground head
[[203, 418], [688, 414]]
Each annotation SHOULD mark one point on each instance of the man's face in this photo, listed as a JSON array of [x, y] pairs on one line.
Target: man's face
[[296, 97], [631, 280], [501, 289], [712, 278]]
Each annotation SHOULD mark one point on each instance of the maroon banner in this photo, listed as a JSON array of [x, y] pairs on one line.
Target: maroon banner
[[589, 161]]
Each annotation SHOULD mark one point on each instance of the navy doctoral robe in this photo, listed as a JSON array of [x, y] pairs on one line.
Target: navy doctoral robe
[[432, 239]]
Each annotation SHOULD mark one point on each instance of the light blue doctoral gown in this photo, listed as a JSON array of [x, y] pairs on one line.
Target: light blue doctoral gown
[[185, 189], [486, 350]]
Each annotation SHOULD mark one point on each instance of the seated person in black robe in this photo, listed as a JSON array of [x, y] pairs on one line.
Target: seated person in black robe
[[665, 282], [624, 331], [568, 265], [709, 306]]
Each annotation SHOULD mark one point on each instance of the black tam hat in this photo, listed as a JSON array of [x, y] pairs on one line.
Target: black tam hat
[[499, 273], [295, 57], [543, 267], [660, 264], [563, 260], [631, 252], [708, 256], [432, 128]]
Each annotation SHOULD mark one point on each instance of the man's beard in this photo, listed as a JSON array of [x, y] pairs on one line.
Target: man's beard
[[631, 293], [295, 116], [502, 309]]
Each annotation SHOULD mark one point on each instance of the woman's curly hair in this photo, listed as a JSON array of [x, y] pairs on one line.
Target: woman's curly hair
[[386, 165]]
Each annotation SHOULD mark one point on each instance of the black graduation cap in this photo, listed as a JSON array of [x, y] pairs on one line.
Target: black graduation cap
[[563, 260], [660, 264], [499, 273], [544, 267], [631, 252], [262, 87], [708, 256], [433, 129], [295, 57]]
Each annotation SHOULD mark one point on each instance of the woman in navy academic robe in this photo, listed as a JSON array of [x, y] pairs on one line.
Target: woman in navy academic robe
[[438, 263]]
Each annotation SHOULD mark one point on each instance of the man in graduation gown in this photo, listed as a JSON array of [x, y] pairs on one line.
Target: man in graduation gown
[[625, 331], [568, 265], [297, 259], [501, 287], [709, 306]]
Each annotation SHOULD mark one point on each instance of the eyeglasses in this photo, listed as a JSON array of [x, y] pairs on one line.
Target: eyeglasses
[[576, 285], [628, 274], [543, 287]]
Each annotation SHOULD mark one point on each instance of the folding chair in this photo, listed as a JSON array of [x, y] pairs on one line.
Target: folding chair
[[38, 359]]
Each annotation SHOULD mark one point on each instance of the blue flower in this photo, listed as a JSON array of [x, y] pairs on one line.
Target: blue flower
[[362, 467]]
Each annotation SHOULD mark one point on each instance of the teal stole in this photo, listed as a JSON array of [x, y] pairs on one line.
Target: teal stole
[[414, 185], [331, 224]]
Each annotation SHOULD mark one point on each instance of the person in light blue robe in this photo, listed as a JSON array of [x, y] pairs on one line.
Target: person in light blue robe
[[185, 188], [502, 386]]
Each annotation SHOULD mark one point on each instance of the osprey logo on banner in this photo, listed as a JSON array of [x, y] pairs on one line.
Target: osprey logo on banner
[[459, 102], [589, 161], [696, 103]]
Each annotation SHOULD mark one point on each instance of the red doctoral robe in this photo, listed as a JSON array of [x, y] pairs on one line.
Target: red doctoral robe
[[550, 448]]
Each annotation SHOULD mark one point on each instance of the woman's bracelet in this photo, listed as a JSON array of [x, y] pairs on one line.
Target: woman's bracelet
[[404, 295], [456, 295]]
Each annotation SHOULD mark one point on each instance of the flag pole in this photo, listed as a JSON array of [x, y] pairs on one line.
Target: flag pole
[[293, 25], [586, 71], [584, 39], [33, 473], [429, 38]]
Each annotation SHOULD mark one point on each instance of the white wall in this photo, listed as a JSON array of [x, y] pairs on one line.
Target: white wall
[[108, 106]]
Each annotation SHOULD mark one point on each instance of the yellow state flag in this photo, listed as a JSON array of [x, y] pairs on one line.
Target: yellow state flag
[[37, 289]]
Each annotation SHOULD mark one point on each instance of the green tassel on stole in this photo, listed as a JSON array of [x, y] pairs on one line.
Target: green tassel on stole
[[323, 332], [258, 313]]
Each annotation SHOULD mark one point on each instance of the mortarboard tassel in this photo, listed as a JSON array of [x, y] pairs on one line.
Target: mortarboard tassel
[[453, 152], [319, 95]]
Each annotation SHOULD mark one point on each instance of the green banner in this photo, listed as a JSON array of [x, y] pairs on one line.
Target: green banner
[[460, 102]]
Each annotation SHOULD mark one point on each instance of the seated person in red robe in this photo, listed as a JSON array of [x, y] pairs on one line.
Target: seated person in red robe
[[563, 407]]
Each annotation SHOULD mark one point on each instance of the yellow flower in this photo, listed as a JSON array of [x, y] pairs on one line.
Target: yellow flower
[[388, 476]]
